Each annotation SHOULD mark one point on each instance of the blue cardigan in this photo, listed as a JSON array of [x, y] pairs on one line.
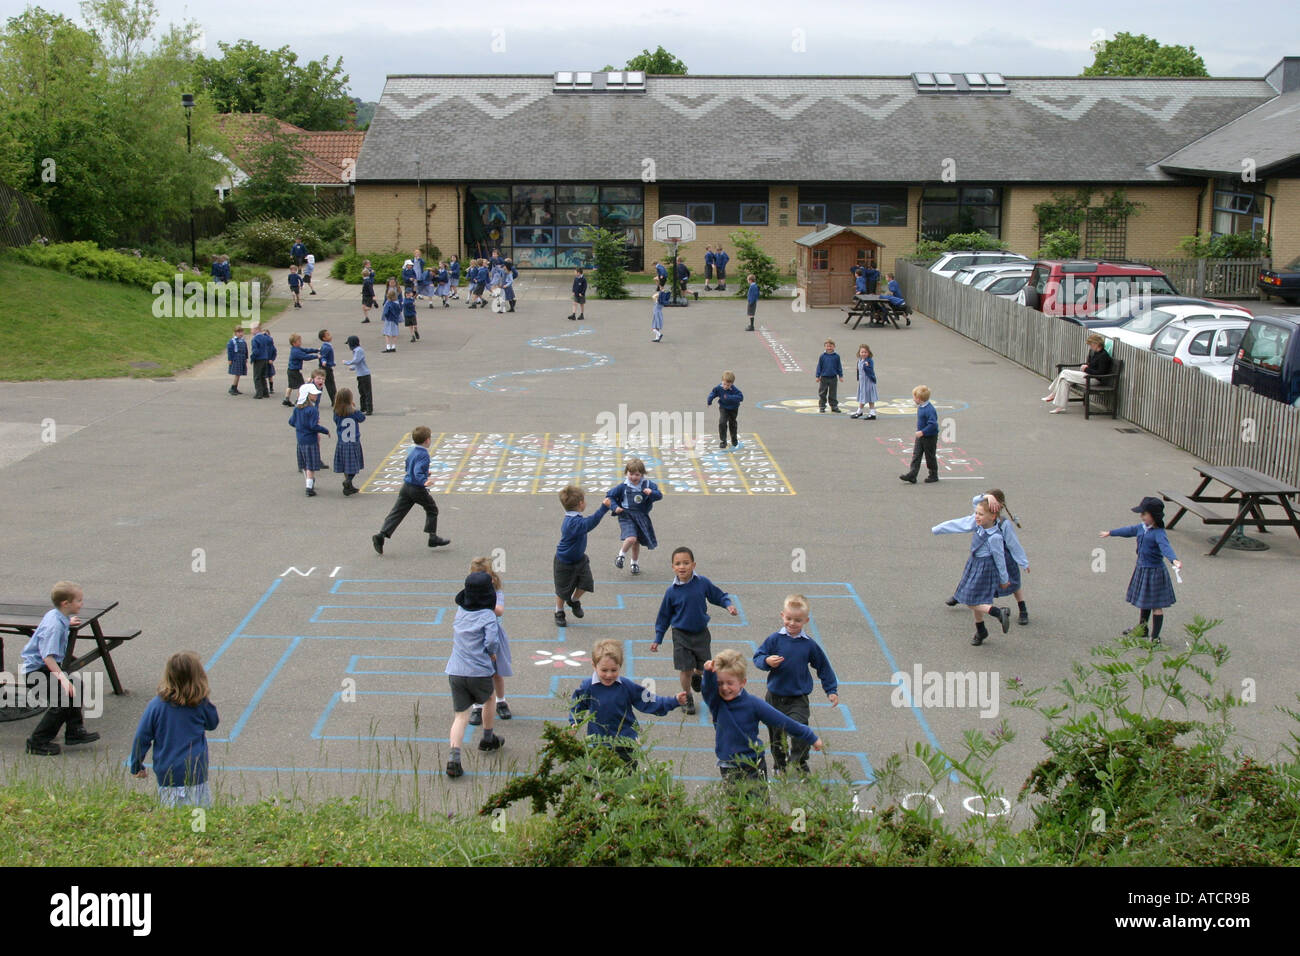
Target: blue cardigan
[[736, 721], [612, 707]]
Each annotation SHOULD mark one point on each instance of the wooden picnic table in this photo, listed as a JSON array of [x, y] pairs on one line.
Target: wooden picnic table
[[1249, 490], [876, 309], [21, 616]]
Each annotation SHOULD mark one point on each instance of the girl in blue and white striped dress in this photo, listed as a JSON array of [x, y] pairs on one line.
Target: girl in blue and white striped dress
[[348, 460], [442, 285], [503, 668], [866, 383], [986, 568], [1149, 590]]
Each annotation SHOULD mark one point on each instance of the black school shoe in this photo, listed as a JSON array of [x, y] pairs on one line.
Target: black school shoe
[[910, 479], [951, 602], [79, 736], [503, 710], [696, 683], [1024, 617], [475, 716], [576, 607], [1004, 617], [932, 479], [378, 541], [437, 542], [978, 639], [496, 743], [454, 769], [560, 619], [50, 749], [689, 706]]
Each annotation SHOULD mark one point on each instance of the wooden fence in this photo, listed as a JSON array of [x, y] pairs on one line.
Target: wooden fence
[[1217, 278], [22, 220], [1212, 420]]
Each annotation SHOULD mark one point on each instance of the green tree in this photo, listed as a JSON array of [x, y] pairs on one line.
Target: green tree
[[660, 62], [249, 79], [609, 250], [754, 261], [1139, 55], [270, 189]]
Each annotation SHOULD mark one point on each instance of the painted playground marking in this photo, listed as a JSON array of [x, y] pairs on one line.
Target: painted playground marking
[[595, 359], [887, 406], [784, 357], [952, 460], [486, 463]]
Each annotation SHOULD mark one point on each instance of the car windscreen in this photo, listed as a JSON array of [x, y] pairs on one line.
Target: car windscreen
[[1006, 285], [1149, 322], [1166, 342], [1265, 346]]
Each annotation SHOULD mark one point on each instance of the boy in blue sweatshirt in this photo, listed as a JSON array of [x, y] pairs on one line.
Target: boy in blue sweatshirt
[[327, 362], [297, 354], [729, 398], [571, 567], [927, 437], [295, 286], [685, 609], [579, 296], [475, 640], [611, 700], [736, 715], [751, 299], [829, 373], [720, 260], [787, 655], [262, 352], [415, 491]]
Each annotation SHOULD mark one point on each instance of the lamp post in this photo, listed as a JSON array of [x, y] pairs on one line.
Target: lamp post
[[187, 101]]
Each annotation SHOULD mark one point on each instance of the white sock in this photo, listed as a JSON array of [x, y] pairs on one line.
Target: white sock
[[311, 482]]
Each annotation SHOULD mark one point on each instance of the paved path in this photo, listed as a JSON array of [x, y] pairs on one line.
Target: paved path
[[184, 504]]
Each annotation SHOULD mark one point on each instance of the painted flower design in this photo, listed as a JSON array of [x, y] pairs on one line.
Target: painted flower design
[[572, 659]]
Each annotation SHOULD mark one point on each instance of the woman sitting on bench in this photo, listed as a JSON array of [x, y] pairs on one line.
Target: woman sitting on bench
[[1098, 362]]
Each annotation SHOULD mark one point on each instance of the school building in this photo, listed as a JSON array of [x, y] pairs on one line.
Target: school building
[[523, 163]]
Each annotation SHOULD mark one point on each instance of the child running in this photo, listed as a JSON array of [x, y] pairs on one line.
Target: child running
[[685, 609], [986, 568], [442, 285], [736, 715], [611, 700], [729, 398], [348, 459], [503, 668], [1149, 590], [632, 500], [306, 422], [1017, 560], [571, 568], [867, 394], [787, 655], [175, 725], [475, 640]]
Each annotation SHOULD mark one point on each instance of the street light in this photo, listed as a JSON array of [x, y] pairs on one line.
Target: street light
[[187, 101]]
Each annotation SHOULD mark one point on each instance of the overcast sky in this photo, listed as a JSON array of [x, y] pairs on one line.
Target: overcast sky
[[1013, 37]]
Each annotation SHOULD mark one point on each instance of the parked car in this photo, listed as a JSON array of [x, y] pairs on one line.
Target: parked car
[[972, 274], [950, 262], [1117, 313], [1283, 283], [1073, 288], [1141, 332], [1268, 361], [1208, 344], [1006, 285]]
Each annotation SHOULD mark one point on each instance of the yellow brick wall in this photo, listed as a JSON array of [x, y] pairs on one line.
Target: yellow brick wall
[[402, 218], [1168, 213], [1286, 219]]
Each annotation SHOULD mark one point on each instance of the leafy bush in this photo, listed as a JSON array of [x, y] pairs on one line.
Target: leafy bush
[[348, 266], [754, 261], [268, 241], [87, 260], [333, 229], [1060, 244], [609, 252], [1223, 247]]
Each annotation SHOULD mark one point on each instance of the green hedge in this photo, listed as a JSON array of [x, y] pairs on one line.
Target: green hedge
[[348, 266]]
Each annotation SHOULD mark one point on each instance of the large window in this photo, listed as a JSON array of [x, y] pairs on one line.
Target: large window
[[709, 205], [540, 226], [1238, 209], [852, 206], [949, 209]]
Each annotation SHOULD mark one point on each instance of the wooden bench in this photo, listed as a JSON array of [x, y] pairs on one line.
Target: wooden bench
[[1198, 508], [21, 618], [1095, 386]]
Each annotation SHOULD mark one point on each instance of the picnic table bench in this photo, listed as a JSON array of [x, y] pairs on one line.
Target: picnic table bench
[[1095, 386], [1248, 489], [877, 310], [23, 616]]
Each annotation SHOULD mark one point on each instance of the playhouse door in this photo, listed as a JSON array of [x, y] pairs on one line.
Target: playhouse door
[[843, 259]]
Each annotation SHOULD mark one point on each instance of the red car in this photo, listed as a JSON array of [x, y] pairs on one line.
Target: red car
[[1077, 288]]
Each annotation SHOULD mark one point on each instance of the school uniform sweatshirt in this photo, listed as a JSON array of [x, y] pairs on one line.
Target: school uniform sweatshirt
[[176, 734], [612, 707], [736, 721], [685, 606], [727, 397], [573, 534], [828, 365], [791, 677]]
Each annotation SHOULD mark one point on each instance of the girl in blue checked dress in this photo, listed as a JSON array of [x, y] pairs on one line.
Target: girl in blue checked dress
[[1149, 590], [1015, 555], [866, 383], [348, 460], [986, 568], [306, 422], [503, 652], [631, 501]]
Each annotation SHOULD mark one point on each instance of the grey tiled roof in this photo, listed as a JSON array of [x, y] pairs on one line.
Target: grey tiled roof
[[793, 129], [1269, 135]]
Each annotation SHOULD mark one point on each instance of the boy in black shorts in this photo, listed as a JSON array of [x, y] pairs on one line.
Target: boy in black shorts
[[685, 608], [572, 566]]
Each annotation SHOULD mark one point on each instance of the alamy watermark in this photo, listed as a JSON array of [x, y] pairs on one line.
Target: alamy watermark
[[669, 431], [207, 300], [952, 689]]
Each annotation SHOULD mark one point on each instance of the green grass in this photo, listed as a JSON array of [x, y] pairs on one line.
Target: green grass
[[59, 326]]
